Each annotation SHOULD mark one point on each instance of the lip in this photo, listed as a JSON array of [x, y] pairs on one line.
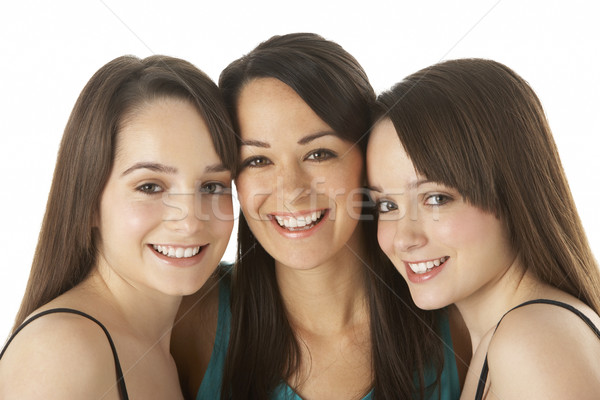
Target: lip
[[300, 234], [427, 276], [180, 262]]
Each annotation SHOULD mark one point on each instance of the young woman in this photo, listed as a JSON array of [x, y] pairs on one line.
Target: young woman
[[139, 214], [475, 210], [315, 313]]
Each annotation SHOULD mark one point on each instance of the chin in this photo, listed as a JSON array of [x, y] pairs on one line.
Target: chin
[[429, 301]]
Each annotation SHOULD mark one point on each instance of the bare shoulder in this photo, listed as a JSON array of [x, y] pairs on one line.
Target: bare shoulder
[[544, 351], [194, 333], [58, 356]]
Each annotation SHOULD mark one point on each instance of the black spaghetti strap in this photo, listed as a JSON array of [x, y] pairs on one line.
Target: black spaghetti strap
[[120, 379], [485, 368]]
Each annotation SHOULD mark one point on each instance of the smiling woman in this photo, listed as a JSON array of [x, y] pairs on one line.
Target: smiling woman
[[475, 210], [139, 214], [316, 312]]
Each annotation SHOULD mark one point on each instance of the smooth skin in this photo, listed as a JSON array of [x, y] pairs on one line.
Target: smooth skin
[[539, 351], [167, 187]]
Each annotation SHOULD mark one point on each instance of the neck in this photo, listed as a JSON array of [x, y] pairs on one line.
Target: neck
[[147, 315], [483, 309], [329, 297]]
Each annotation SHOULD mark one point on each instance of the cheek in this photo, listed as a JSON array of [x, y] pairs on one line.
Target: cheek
[[253, 191], [221, 217], [128, 219], [475, 230], [214, 208]]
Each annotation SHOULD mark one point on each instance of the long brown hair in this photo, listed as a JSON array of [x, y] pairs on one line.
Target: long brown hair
[[263, 350], [66, 249], [477, 126]]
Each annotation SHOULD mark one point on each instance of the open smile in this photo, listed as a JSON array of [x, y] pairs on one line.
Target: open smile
[[426, 266], [296, 222], [422, 271], [176, 251]]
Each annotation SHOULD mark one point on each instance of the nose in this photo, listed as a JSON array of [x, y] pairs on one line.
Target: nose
[[293, 184], [409, 234], [180, 212]]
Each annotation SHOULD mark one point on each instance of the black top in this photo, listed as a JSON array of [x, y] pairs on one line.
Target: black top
[[120, 378], [484, 370]]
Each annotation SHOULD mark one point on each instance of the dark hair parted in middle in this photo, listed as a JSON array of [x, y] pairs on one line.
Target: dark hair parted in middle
[[263, 349]]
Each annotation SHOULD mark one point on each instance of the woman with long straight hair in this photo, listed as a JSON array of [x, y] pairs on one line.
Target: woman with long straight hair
[[475, 210], [316, 312], [139, 214]]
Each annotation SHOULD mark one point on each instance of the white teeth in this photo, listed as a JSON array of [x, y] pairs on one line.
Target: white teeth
[[422, 267], [177, 252], [299, 222]]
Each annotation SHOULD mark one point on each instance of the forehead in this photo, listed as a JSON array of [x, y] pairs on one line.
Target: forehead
[[269, 109], [164, 128], [386, 158]]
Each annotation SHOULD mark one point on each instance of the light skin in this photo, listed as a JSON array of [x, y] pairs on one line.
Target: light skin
[[166, 189], [481, 274], [293, 165]]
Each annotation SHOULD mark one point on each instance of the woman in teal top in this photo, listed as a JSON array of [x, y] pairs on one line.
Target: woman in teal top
[[210, 388], [317, 311]]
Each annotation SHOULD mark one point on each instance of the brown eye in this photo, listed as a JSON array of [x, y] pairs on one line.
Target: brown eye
[[385, 206], [149, 188], [256, 162], [320, 155], [437, 200], [213, 188]]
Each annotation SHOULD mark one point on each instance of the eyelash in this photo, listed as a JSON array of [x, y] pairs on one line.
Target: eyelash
[[144, 188], [442, 199], [318, 155], [251, 162], [391, 206], [220, 188], [326, 155], [207, 188]]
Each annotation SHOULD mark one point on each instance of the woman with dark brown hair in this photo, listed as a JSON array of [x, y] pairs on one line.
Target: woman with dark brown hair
[[315, 311], [475, 210], [139, 214]]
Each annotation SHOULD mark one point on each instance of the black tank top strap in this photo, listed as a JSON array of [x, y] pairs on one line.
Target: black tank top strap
[[120, 379], [485, 368]]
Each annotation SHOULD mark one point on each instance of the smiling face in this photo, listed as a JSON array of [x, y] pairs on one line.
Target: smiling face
[[446, 249], [165, 213], [299, 183]]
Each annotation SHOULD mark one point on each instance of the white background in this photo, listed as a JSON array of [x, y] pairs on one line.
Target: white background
[[49, 49]]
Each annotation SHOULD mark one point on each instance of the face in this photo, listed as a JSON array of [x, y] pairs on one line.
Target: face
[[166, 213], [447, 250], [299, 183]]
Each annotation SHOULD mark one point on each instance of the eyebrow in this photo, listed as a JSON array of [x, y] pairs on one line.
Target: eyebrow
[[412, 185], [255, 143], [166, 169], [305, 140], [309, 138], [151, 166], [216, 168]]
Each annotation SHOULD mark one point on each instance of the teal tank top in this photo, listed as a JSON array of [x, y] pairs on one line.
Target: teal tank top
[[210, 388]]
